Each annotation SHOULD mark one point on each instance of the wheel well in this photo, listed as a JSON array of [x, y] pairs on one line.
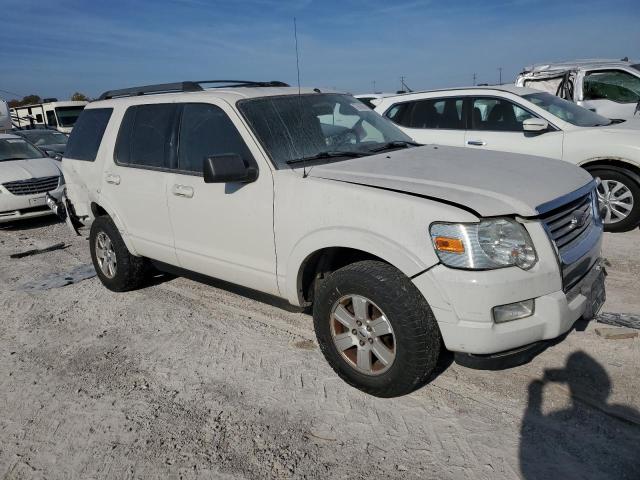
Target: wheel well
[[321, 263], [98, 211], [614, 164]]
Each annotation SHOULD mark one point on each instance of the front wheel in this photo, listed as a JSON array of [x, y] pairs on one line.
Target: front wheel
[[618, 198], [375, 329]]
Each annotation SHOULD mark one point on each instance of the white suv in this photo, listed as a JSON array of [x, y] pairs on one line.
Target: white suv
[[524, 120], [316, 199], [610, 88]]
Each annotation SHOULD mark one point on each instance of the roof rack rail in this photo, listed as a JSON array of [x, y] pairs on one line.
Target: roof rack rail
[[187, 86]]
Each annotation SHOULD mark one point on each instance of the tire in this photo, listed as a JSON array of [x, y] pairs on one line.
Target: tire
[[129, 272], [612, 176], [415, 339]]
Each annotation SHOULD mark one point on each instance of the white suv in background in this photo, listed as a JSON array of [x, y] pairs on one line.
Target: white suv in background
[[610, 88], [524, 120], [316, 199]]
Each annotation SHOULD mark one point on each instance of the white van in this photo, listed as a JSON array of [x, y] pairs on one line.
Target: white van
[[59, 115]]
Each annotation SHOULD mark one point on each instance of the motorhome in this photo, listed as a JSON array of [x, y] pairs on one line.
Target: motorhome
[[53, 114], [5, 118]]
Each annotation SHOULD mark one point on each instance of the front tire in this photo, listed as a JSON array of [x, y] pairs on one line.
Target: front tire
[[375, 329], [619, 197], [117, 269]]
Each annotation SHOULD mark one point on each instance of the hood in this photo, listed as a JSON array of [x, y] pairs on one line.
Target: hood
[[487, 182], [13, 170], [631, 125]]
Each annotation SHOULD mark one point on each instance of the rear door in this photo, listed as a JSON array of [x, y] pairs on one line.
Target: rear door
[[135, 183], [496, 124], [223, 230], [432, 120]]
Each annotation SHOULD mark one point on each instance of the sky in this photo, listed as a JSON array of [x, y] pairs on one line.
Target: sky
[[55, 48]]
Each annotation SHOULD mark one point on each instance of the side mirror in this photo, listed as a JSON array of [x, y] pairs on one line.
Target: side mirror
[[228, 168], [53, 154], [535, 125]]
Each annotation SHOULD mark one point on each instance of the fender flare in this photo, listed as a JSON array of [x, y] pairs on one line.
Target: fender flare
[[384, 248], [118, 223], [617, 164]]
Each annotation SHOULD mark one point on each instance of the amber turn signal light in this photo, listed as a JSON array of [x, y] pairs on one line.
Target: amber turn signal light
[[450, 245]]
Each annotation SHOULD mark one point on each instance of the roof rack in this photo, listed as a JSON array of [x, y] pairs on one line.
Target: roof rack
[[187, 86]]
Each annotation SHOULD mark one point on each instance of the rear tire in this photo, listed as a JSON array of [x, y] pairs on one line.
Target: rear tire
[[117, 269], [409, 334], [623, 214]]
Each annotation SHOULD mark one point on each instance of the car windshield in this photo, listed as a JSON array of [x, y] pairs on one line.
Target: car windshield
[[45, 138], [17, 149], [321, 128], [567, 111], [67, 116]]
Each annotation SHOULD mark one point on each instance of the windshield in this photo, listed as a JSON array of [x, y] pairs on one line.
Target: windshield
[[17, 149], [293, 127], [45, 138], [567, 111], [67, 116]]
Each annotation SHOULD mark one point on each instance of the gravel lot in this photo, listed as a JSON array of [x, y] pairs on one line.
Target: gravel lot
[[187, 380]]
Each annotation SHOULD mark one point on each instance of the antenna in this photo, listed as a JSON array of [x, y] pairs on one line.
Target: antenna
[[295, 35]]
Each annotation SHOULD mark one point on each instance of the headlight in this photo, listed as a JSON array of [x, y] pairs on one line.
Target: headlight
[[492, 243]]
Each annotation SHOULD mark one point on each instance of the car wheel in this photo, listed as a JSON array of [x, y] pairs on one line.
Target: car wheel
[[375, 329], [618, 198], [117, 269]]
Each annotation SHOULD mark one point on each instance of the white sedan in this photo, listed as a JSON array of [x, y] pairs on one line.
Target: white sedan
[[523, 120], [26, 176]]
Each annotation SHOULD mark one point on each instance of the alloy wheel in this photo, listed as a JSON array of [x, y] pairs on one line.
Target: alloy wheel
[[106, 255], [615, 201], [362, 334]]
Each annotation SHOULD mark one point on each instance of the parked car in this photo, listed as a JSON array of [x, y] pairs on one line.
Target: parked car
[[610, 88], [524, 120], [26, 175], [398, 248], [51, 141]]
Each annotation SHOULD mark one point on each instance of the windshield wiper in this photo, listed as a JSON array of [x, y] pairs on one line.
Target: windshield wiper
[[328, 154], [395, 144]]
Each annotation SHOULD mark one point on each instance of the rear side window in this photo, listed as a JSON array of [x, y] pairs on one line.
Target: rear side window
[[432, 113], [146, 136], [206, 131], [87, 133]]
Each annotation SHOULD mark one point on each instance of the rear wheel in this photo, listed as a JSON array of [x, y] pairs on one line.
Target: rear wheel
[[117, 269], [375, 329], [618, 198]]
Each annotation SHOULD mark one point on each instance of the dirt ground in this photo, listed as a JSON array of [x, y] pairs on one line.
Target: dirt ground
[[187, 380]]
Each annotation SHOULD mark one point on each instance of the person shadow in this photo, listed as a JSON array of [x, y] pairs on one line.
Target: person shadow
[[590, 439]]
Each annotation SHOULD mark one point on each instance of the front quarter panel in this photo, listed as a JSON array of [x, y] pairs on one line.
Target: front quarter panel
[[312, 214]]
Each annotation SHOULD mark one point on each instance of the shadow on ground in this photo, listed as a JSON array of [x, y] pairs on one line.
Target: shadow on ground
[[590, 438]]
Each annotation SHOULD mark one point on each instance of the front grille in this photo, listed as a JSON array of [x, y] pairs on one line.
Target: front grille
[[576, 233], [568, 226], [33, 185]]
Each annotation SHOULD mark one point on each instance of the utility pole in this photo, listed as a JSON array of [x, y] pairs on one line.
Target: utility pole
[[374, 86], [403, 86], [500, 70], [474, 79]]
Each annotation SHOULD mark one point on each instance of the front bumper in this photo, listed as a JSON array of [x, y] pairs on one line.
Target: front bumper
[[463, 308], [22, 207]]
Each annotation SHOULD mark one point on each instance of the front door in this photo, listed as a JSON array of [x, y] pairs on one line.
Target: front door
[[611, 93], [223, 230], [496, 124]]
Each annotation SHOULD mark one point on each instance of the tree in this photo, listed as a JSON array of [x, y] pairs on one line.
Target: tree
[[79, 97], [28, 100]]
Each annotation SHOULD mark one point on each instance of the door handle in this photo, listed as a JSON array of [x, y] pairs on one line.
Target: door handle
[[113, 179], [182, 191], [477, 143]]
